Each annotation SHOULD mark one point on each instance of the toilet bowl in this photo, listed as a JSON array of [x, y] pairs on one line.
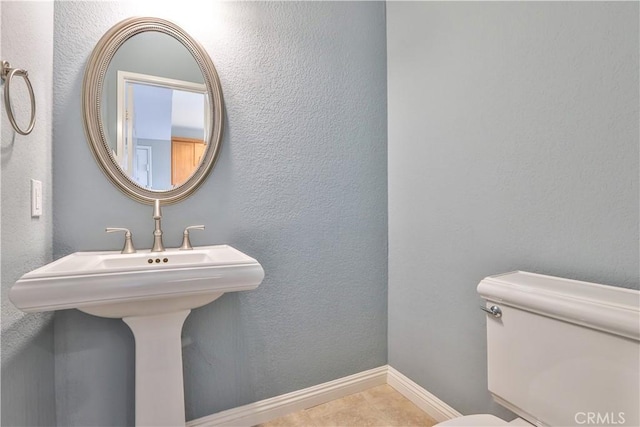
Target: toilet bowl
[[560, 352]]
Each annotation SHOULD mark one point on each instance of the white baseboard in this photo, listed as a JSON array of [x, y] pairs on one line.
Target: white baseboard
[[436, 408], [275, 407]]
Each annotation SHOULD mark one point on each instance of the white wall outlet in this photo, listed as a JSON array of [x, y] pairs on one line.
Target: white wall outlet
[[36, 198]]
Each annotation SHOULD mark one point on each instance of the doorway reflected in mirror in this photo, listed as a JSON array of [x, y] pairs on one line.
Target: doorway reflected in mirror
[[161, 129]]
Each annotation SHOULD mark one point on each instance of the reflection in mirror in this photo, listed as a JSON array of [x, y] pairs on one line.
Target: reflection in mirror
[[153, 109], [161, 129], [140, 69]]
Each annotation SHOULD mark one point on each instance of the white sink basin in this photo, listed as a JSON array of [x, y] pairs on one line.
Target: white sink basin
[[111, 284], [153, 293]]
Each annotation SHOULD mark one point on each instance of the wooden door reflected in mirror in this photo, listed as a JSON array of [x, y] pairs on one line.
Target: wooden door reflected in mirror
[[185, 158]]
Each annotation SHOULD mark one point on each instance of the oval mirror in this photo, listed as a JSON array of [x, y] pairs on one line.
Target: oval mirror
[[152, 106]]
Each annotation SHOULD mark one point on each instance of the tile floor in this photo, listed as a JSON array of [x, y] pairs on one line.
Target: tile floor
[[380, 406]]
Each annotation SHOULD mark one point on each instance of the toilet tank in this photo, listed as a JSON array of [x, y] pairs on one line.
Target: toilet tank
[[563, 352]]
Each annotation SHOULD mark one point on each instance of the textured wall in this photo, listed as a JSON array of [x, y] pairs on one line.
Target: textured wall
[[513, 144], [300, 185], [27, 339]]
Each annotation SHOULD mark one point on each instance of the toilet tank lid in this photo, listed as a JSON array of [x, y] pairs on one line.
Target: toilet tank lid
[[608, 308]]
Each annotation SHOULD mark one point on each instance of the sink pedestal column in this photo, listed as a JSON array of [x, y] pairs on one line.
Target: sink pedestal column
[[159, 384]]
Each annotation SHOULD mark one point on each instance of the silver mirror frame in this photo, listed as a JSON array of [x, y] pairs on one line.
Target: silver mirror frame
[[92, 91]]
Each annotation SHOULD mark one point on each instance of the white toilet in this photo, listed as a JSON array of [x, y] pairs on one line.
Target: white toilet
[[560, 352]]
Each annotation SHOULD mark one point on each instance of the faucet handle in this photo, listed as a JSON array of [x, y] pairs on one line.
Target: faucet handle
[[186, 243], [128, 241]]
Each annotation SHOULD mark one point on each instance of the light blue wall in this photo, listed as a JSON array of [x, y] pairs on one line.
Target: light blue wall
[[300, 186], [27, 339], [513, 144]]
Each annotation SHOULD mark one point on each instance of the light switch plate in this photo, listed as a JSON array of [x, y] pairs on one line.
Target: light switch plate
[[36, 198]]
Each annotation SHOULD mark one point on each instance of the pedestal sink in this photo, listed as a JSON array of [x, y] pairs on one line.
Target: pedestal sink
[[153, 293]]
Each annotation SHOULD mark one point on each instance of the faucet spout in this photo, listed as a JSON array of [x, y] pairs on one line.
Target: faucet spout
[[158, 246], [157, 212]]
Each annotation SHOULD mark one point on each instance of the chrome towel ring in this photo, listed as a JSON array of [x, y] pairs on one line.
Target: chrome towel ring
[[7, 74]]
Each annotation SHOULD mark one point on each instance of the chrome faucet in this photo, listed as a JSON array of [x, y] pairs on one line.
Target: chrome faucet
[[157, 233]]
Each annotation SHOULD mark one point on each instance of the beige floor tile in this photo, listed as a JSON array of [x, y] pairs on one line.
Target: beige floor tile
[[403, 413], [380, 406], [300, 418], [351, 401], [356, 416], [382, 393]]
